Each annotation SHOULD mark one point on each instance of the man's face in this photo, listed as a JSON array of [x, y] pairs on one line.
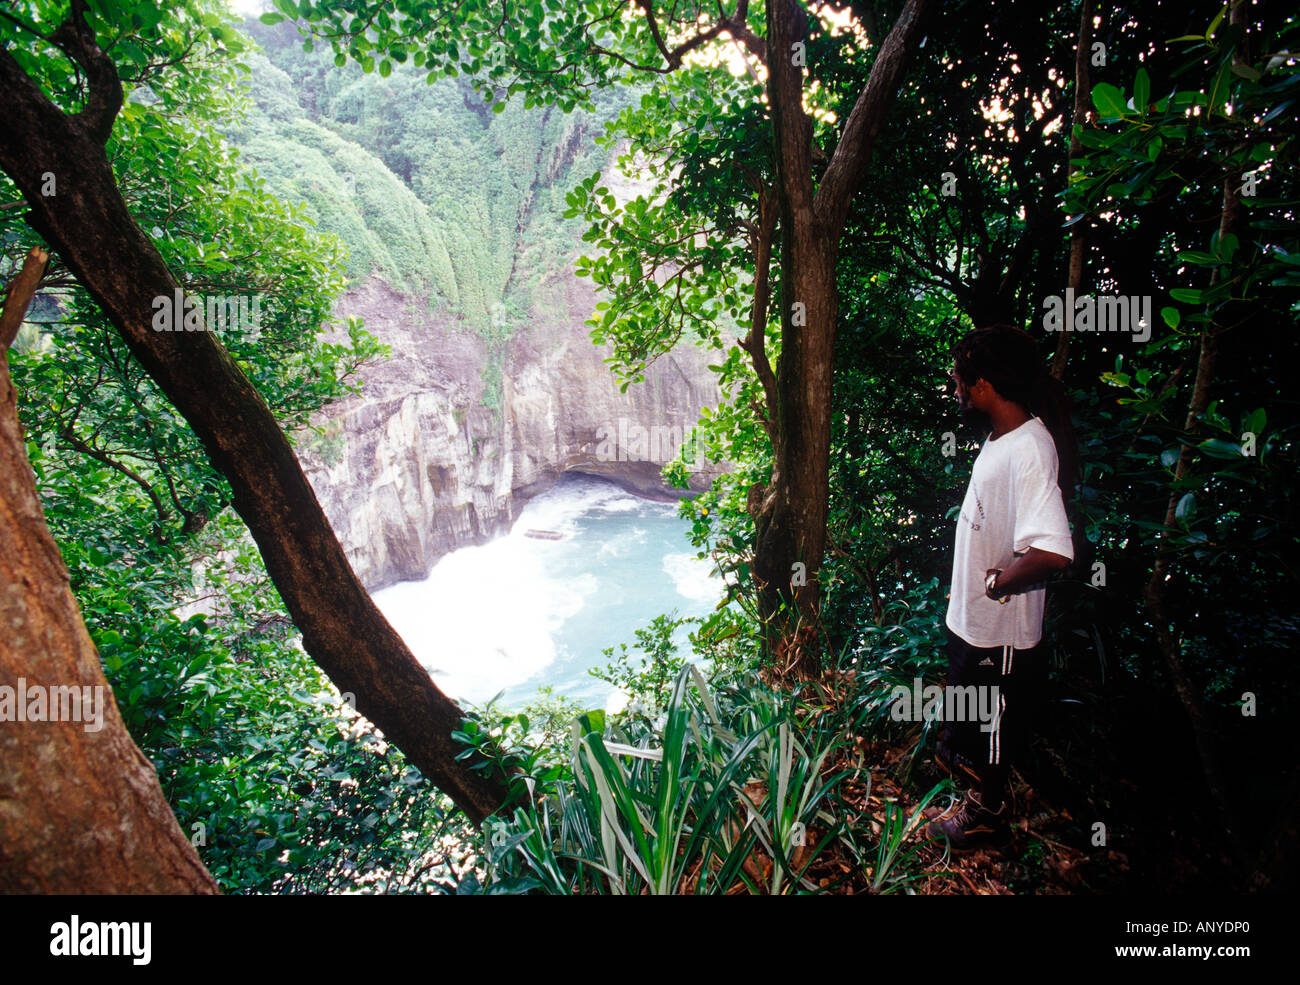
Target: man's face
[[969, 404], [964, 401]]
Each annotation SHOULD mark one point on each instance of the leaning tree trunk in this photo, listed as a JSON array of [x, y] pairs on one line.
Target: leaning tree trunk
[[791, 511], [88, 223], [81, 810]]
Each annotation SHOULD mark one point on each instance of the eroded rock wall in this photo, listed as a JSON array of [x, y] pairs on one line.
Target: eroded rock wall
[[416, 465]]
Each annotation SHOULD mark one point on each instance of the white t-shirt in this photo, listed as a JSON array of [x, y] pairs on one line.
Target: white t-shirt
[[1012, 504]]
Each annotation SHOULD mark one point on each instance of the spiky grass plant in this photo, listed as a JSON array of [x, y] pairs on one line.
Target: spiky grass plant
[[732, 793]]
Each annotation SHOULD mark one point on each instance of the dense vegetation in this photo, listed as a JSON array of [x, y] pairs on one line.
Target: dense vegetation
[[304, 172], [425, 185]]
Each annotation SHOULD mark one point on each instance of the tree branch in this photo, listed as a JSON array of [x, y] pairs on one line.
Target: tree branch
[[848, 165], [75, 38], [19, 296], [754, 343]]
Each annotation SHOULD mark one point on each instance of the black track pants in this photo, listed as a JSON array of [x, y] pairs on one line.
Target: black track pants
[[1019, 676]]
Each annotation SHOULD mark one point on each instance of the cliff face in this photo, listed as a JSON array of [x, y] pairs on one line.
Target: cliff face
[[417, 466], [454, 217]]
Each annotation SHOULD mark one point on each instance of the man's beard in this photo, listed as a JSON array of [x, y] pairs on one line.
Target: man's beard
[[975, 419]]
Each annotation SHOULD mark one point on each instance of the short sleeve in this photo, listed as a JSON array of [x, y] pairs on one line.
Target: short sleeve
[[1040, 519]]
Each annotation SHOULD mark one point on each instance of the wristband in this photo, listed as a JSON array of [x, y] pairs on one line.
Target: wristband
[[991, 585]]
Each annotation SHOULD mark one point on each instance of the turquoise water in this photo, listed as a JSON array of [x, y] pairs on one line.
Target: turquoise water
[[521, 612]]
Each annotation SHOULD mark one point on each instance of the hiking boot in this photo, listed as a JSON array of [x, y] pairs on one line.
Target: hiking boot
[[971, 825]]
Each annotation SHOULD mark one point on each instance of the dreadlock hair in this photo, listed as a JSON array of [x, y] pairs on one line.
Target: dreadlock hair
[[1008, 358]]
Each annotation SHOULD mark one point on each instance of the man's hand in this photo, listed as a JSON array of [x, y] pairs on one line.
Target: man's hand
[[1030, 568], [1001, 592]]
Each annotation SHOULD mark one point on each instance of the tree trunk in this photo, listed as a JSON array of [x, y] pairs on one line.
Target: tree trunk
[[792, 528], [90, 226], [1078, 244], [81, 810], [791, 512]]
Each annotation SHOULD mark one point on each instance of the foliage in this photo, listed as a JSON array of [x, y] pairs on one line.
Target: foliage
[[1172, 142], [733, 792], [651, 680], [425, 186]]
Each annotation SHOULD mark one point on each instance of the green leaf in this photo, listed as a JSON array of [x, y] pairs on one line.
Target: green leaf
[[1141, 91], [1218, 448], [1109, 100], [1271, 115], [1188, 295], [1171, 316], [1186, 507], [1219, 91], [1214, 24]]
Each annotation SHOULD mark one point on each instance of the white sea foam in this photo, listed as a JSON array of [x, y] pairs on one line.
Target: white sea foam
[[619, 504], [559, 508], [489, 618], [486, 616], [623, 544], [693, 577]]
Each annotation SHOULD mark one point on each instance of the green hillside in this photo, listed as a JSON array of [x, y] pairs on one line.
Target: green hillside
[[426, 186]]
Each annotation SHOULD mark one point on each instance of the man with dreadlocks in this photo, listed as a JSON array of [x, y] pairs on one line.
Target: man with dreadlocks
[[1011, 536]]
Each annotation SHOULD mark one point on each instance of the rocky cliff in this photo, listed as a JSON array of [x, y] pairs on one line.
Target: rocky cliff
[[416, 465], [452, 217]]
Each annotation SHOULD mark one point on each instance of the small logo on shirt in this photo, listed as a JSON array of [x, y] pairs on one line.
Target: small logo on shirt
[[986, 662], [978, 506]]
